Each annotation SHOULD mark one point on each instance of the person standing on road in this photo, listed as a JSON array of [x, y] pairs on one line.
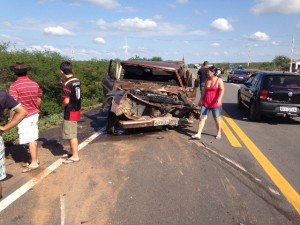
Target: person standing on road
[[8, 102], [71, 105], [28, 93], [211, 100], [202, 73]]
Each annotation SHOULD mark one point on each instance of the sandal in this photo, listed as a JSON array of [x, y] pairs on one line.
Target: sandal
[[218, 136], [26, 164], [65, 156], [30, 168], [70, 160], [195, 137]]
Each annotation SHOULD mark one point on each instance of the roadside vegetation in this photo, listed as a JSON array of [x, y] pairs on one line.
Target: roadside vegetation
[[45, 70], [279, 63]]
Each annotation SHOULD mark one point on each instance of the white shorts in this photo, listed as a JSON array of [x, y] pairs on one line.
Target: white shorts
[[28, 129], [2, 160]]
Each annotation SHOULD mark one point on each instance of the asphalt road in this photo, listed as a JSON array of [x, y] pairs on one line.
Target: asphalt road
[[161, 176]]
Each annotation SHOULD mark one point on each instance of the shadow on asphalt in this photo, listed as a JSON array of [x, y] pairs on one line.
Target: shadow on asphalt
[[242, 114]]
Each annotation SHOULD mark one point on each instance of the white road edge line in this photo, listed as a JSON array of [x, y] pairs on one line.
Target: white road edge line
[[62, 210], [31, 183]]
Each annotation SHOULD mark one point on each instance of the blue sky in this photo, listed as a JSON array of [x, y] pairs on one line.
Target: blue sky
[[213, 30]]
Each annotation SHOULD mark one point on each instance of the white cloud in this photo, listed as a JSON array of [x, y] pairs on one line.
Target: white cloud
[[198, 32], [172, 6], [5, 36], [275, 43], [182, 1], [6, 24], [135, 24], [157, 17], [44, 48], [108, 4], [216, 45], [259, 36], [276, 6], [102, 24], [58, 31], [221, 24], [99, 40]]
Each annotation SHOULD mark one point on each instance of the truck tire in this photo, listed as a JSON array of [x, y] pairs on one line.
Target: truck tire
[[112, 120]]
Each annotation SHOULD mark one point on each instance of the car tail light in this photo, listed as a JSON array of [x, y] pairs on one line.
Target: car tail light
[[263, 94]]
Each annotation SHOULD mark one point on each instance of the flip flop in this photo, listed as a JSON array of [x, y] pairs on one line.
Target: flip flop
[[65, 156], [69, 160], [26, 164], [218, 137], [29, 168], [195, 137]]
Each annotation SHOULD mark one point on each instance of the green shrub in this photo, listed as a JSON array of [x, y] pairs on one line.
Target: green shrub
[[49, 107]]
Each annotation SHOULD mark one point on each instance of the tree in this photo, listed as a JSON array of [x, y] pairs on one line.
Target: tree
[[281, 62]]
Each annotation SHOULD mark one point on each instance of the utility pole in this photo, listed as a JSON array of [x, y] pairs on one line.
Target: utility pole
[[72, 54], [249, 55], [292, 54], [126, 49]]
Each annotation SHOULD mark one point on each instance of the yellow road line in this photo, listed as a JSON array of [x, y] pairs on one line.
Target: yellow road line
[[230, 136], [287, 190]]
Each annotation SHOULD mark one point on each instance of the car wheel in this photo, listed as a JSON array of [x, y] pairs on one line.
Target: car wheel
[[254, 114], [239, 101], [112, 120]]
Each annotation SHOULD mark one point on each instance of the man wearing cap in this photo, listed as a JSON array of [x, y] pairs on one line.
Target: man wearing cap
[[8, 102], [28, 93]]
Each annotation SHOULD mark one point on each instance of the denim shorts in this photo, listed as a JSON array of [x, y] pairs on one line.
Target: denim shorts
[[215, 111]]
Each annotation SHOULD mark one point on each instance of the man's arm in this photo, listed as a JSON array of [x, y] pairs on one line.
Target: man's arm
[[65, 102], [17, 116]]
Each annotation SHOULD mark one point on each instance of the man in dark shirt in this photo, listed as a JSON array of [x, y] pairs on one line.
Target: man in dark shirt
[[71, 105], [202, 73], [8, 102]]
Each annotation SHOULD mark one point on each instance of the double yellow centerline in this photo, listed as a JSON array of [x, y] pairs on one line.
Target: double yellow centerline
[[283, 185]]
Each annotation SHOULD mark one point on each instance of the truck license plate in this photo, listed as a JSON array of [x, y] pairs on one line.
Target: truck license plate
[[159, 122]]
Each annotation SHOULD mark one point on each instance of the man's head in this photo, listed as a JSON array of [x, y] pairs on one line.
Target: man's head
[[66, 68], [205, 64], [20, 69]]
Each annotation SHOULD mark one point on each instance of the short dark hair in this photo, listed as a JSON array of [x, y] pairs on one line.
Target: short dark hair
[[66, 67], [205, 63]]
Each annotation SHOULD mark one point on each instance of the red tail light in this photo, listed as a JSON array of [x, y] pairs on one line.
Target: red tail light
[[263, 94]]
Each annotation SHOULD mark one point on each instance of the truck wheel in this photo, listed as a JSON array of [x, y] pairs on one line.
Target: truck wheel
[[112, 120]]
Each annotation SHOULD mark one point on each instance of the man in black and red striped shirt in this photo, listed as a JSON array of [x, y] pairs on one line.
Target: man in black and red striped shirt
[[28, 93]]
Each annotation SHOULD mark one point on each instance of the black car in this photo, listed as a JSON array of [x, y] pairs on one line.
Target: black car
[[239, 76], [271, 93]]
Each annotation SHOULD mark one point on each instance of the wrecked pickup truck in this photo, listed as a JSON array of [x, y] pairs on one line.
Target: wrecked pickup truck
[[142, 94]]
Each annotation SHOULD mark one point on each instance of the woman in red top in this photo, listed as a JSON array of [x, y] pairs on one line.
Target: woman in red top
[[211, 100]]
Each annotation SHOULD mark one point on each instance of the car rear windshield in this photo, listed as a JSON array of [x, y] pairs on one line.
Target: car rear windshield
[[283, 81], [150, 74], [241, 72]]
